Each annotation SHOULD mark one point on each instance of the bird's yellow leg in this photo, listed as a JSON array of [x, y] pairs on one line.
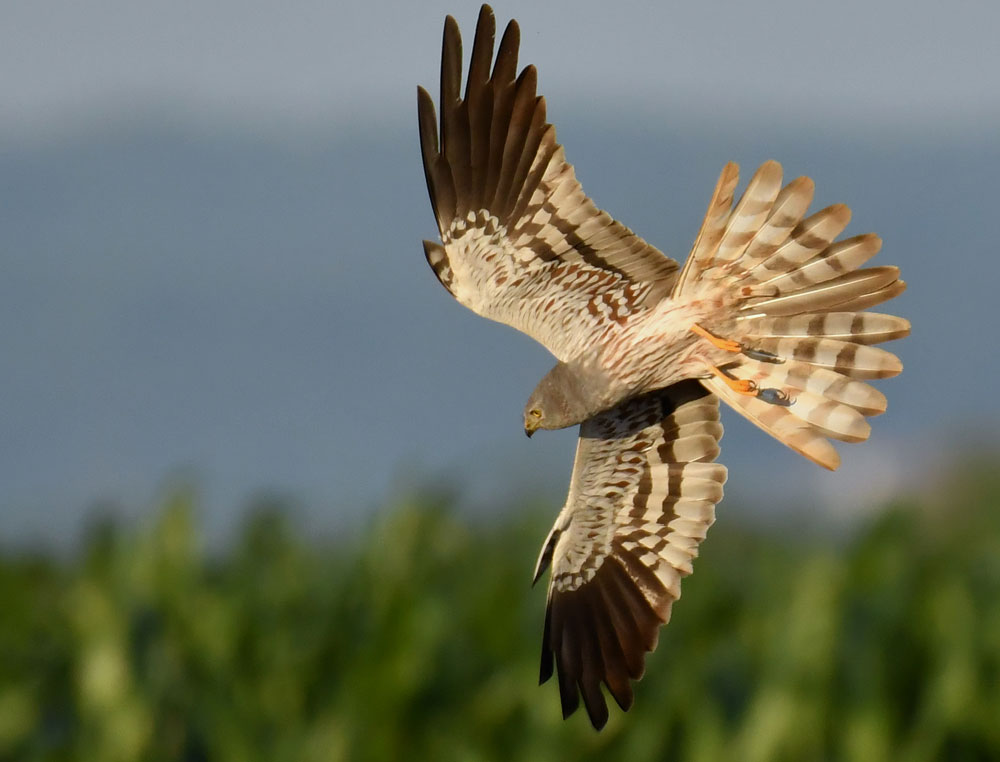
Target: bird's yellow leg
[[726, 344], [738, 385]]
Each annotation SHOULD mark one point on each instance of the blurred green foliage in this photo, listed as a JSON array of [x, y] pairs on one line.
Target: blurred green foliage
[[418, 638]]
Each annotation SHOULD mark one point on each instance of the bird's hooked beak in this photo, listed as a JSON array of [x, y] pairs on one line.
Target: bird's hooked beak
[[532, 420], [530, 426]]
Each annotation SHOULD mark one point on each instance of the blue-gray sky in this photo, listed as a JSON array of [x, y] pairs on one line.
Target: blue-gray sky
[[210, 217], [342, 63]]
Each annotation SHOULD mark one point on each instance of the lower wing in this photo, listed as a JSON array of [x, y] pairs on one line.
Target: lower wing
[[642, 496]]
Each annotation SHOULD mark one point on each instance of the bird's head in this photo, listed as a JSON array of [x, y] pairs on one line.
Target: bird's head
[[557, 402], [534, 416]]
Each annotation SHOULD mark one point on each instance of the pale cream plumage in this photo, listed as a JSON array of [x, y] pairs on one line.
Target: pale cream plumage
[[782, 339], [641, 499]]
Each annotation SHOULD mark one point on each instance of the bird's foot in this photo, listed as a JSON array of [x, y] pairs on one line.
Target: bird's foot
[[738, 385], [725, 344]]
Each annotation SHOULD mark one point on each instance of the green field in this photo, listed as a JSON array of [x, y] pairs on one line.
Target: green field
[[418, 638]]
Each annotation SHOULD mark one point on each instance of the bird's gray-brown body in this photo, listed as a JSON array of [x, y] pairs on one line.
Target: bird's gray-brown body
[[650, 349], [783, 337]]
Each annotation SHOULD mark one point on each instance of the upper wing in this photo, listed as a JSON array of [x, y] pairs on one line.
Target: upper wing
[[523, 245], [642, 496]]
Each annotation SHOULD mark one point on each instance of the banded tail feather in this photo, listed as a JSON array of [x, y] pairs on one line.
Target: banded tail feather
[[794, 298], [836, 260], [828, 295], [787, 211], [750, 213], [805, 240], [859, 327]]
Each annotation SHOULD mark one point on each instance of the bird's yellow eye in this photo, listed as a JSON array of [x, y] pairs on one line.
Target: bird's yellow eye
[[536, 413]]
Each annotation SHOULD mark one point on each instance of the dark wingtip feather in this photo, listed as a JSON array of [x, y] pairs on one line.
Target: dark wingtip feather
[[518, 137], [505, 66], [451, 75], [427, 128], [596, 706], [482, 50], [547, 663], [568, 671], [616, 669], [451, 60], [592, 660], [564, 641], [598, 633], [547, 666]]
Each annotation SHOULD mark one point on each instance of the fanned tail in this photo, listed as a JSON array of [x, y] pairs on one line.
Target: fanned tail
[[794, 301]]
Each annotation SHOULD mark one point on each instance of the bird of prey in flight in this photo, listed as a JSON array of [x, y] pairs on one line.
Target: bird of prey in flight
[[768, 314]]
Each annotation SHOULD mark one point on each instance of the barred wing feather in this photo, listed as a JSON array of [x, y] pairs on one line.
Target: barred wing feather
[[522, 243], [641, 498]]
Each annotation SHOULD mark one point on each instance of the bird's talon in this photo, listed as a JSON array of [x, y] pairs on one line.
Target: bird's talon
[[775, 396], [738, 385], [727, 345]]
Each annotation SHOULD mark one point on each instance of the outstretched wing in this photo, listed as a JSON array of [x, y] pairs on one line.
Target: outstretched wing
[[642, 496], [523, 245]]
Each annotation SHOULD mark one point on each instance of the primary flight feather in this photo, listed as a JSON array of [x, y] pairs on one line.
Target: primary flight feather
[[767, 315]]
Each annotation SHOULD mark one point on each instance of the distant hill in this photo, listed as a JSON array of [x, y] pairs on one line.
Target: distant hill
[[256, 308]]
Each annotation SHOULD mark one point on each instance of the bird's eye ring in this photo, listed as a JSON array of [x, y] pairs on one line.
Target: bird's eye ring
[[536, 413]]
